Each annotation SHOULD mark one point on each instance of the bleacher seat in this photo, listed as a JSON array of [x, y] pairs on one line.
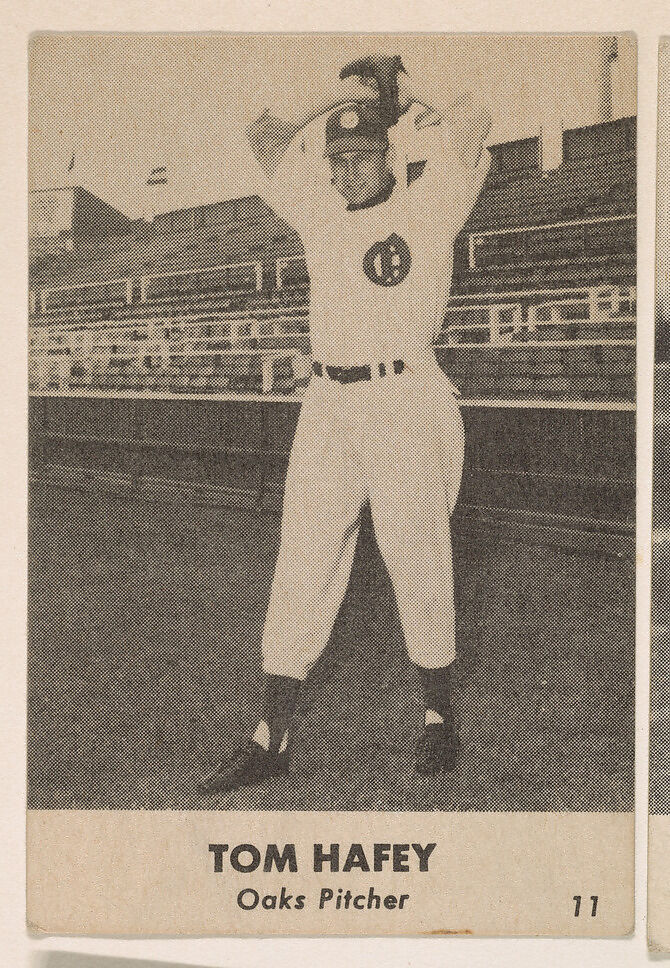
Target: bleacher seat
[[196, 308]]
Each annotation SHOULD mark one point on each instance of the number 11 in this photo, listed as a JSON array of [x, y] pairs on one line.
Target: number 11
[[578, 903]]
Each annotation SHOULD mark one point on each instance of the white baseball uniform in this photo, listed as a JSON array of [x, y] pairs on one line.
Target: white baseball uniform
[[379, 281]]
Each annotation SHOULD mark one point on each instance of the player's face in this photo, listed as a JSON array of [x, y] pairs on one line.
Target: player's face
[[359, 175]]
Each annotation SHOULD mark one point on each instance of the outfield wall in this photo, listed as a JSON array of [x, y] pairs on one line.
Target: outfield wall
[[551, 472]]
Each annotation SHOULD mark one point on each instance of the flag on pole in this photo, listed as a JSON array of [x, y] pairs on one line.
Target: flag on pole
[[157, 176]]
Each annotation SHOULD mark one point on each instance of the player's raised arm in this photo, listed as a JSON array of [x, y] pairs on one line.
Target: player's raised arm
[[465, 119], [271, 133], [467, 122]]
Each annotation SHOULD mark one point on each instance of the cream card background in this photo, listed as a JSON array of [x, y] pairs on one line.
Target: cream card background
[[648, 20]]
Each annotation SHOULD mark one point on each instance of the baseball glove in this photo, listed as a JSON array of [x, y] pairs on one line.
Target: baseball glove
[[383, 69]]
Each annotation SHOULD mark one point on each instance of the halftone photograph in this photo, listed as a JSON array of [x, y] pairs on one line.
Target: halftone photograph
[[332, 448], [659, 693]]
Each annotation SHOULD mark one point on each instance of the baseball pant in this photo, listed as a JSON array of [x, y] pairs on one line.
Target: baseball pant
[[398, 443]]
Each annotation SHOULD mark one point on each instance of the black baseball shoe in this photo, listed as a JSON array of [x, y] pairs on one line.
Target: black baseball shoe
[[247, 766], [437, 749]]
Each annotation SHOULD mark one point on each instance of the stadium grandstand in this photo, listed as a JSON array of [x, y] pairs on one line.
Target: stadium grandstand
[[172, 353]]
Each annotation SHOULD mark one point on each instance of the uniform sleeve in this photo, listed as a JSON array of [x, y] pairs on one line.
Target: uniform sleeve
[[446, 190], [300, 187]]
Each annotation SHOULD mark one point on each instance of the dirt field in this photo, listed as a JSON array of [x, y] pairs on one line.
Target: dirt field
[[144, 666]]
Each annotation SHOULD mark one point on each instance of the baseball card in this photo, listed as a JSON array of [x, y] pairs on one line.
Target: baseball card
[[332, 484], [658, 900], [69, 959]]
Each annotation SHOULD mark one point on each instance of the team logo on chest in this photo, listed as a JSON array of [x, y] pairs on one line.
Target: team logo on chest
[[387, 263]]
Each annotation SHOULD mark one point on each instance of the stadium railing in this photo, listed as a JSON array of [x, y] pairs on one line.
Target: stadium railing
[[66, 297], [246, 275], [247, 278], [162, 382], [540, 244], [226, 278], [505, 317], [267, 349]]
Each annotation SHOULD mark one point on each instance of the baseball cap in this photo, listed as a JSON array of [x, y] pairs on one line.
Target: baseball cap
[[355, 127]]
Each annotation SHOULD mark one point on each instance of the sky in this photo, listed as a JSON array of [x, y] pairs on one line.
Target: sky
[[663, 186], [126, 103]]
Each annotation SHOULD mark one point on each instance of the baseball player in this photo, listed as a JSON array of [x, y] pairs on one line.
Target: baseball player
[[378, 184]]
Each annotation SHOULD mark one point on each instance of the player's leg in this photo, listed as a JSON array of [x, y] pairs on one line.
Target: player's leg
[[323, 498], [415, 485]]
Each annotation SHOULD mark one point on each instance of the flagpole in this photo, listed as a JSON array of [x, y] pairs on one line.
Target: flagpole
[[69, 168]]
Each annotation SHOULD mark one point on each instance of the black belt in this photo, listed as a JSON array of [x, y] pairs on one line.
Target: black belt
[[353, 374]]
